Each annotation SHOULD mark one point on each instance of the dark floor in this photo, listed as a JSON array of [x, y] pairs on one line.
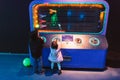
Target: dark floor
[[11, 68]]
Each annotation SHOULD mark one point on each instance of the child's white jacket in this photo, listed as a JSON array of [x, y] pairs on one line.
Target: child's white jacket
[[55, 55]]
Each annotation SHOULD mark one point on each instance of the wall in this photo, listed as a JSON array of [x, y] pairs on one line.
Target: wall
[[14, 25], [113, 29]]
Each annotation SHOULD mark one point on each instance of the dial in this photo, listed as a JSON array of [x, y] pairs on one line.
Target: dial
[[42, 37], [94, 41], [78, 40], [56, 39]]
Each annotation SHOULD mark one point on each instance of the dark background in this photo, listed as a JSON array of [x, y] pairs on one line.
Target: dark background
[[14, 26]]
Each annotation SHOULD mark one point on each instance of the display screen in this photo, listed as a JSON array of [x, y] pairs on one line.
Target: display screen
[[67, 38], [70, 18]]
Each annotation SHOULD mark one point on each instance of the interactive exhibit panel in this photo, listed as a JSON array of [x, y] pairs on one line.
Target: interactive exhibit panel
[[79, 26]]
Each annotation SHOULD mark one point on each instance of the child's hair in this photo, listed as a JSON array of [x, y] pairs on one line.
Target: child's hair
[[54, 45]]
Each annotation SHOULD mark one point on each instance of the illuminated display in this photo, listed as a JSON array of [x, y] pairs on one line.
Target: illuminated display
[[69, 17], [67, 38]]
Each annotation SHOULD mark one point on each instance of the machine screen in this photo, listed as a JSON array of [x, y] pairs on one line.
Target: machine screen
[[67, 38], [69, 17]]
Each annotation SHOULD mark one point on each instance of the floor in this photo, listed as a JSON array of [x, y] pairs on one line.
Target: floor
[[11, 68]]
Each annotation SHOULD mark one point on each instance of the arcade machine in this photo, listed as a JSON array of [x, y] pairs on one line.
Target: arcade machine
[[79, 26]]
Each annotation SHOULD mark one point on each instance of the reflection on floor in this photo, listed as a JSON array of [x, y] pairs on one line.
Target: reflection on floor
[[11, 68]]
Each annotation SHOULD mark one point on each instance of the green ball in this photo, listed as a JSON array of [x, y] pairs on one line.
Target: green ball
[[26, 62]]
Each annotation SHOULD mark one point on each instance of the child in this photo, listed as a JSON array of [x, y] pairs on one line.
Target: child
[[55, 56], [36, 45]]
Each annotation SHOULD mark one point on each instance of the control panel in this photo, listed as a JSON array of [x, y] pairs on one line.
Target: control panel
[[75, 41]]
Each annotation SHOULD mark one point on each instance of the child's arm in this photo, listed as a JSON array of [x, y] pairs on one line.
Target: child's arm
[[59, 47]]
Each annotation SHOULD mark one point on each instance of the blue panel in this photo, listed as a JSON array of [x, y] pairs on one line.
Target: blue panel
[[77, 58]]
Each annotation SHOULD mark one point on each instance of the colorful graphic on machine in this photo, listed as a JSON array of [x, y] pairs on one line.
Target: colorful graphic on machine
[[42, 22], [53, 23], [54, 18], [69, 19]]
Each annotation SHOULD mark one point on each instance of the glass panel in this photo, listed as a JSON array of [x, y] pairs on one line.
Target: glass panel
[[69, 17]]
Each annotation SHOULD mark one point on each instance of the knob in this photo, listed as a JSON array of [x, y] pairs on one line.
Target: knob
[[42, 37], [56, 38], [78, 40], [94, 41]]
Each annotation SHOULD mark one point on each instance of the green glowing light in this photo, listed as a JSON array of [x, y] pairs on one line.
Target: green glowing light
[[54, 19]]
